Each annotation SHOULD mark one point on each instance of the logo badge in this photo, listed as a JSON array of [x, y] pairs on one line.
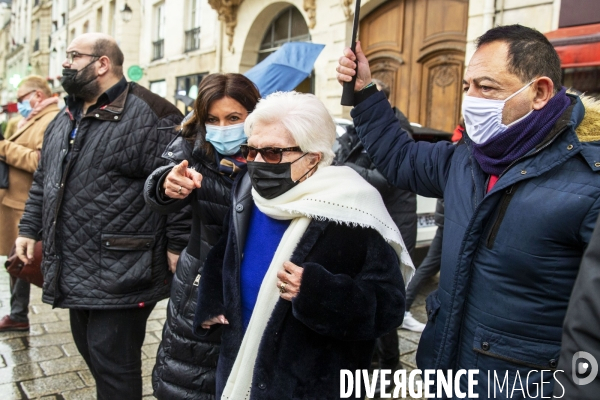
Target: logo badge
[[584, 364]]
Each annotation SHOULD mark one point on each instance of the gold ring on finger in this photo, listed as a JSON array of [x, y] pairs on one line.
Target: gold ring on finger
[[282, 288]]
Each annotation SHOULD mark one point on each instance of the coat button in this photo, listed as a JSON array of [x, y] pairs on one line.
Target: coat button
[[262, 386], [239, 208], [97, 115], [552, 363], [170, 154], [107, 243], [116, 117], [485, 346], [570, 147], [523, 172], [597, 164]]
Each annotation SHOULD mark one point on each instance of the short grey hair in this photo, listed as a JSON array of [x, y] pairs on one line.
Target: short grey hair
[[303, 116]]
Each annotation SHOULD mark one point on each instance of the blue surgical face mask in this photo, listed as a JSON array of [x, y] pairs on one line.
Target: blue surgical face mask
[[226, 139], [24, 108]]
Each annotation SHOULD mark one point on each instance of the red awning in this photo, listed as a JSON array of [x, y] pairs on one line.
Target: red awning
[[577, 46]]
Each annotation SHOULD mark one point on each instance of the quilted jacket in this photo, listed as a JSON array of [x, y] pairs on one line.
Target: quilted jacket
[[103, 247], [509, 256], [185, 365]]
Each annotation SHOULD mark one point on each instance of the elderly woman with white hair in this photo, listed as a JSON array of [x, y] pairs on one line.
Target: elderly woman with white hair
[[311, 268]]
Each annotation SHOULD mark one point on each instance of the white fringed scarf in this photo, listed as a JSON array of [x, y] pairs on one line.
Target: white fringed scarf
[[332, 193]]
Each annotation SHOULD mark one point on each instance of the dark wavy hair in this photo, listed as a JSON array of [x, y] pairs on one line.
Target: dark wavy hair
[[215, 87], [530, 54]]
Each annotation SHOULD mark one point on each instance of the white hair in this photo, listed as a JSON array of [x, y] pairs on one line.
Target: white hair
[[303, 116]]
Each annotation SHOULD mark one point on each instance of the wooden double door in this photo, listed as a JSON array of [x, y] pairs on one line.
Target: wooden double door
[[418, 47]]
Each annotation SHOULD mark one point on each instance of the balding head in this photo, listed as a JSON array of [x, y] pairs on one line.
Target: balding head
[[100, 44]]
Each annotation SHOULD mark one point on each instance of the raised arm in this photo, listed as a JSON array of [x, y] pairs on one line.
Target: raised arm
[[419, 167]]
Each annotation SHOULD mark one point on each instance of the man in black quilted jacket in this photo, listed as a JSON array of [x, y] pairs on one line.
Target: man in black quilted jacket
[[105, 253]]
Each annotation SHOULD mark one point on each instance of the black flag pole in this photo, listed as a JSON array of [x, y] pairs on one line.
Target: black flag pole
[[348, 92]]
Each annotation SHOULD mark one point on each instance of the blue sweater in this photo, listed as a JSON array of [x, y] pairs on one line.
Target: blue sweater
[[264, 235]]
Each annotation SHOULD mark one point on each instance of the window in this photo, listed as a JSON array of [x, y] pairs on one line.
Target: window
[[192, 35], [187, 87], [159, 88], [288, 26], [36, 41], [72, 4], [112, 17], [194, 21], [86, 27], [99, 20], [158, 45]]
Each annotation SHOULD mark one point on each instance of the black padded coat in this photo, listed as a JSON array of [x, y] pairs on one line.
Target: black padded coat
[[103, 248], [185, 366]]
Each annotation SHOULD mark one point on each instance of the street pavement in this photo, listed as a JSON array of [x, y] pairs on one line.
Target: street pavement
[[45, 364]]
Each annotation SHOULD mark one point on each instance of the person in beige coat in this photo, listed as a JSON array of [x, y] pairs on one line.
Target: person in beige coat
[[22, 152]]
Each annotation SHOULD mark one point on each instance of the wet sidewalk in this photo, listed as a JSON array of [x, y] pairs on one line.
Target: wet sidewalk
[[45, 364]]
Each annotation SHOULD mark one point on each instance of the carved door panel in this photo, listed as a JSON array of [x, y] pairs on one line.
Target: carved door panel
[[417, 47]]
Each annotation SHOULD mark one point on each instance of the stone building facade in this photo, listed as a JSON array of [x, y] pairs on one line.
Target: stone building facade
[[419, 47]]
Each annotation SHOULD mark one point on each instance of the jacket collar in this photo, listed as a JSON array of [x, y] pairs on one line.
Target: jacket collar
[[110, 112], [44, 111]]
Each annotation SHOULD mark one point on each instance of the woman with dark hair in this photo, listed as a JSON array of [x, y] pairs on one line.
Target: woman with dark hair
[[205, 158]]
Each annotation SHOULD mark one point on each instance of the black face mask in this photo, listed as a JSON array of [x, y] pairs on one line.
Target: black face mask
[[273, 180], [80, 86]]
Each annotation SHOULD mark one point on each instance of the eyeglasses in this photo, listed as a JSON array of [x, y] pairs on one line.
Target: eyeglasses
[[72, 55], [22, 98], [271, 155]]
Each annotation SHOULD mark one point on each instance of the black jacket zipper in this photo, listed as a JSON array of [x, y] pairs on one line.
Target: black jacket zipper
[[506, 198]]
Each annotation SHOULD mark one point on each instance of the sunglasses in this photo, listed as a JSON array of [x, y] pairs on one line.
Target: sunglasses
[[271, 155]]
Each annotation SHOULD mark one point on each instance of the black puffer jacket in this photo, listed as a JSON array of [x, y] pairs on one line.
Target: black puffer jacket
[[401, 204], [185, 366], [103, 247]]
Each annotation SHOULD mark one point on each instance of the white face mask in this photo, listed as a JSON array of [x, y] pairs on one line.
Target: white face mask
[[483, 117]]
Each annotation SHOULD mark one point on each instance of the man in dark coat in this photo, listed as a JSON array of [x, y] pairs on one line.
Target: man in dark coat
[[105, 251], [580, 353], [522, 197]]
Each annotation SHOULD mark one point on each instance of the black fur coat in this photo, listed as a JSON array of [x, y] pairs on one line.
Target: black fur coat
[[351, 293]]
